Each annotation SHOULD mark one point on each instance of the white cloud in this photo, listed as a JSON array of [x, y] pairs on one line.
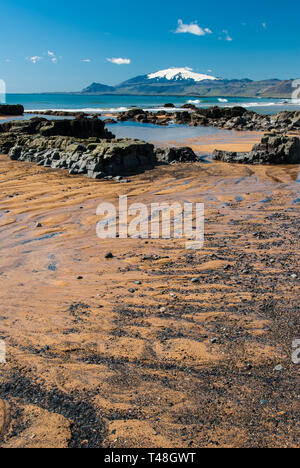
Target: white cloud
[[35, 59], [192, 28], [119, 61], [264, 25], [86, 60], [226, 36], [53, 56]]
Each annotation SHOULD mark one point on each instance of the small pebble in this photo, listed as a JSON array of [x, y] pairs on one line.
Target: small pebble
[[278, 368], [79, 277], [109, 255], [195, 280], [213, 341], [38, 225], [137, 282], [131, 290], [293, 276]]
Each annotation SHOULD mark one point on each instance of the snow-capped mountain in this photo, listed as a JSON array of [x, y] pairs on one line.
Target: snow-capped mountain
[[179, 74], [168, 81], [185, 82]]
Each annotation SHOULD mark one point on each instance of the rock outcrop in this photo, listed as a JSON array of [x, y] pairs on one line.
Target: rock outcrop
[[15, 110], [230, 118], [57, 113], [139, 115], [80, 127], [169, 155], [83, 146], [273, 149]]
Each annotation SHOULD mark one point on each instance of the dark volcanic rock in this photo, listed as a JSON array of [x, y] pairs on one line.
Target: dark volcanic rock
[[95, 159], [189, 106], [15, 110], [110, 121], [237, 118], [168, 155], [131, 114], [80, 127], [82, 146], [273, 149], [56, 113]]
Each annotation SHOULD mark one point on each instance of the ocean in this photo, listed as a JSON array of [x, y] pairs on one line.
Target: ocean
[[116, 103]]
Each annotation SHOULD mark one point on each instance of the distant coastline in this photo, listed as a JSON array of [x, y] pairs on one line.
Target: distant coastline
[[183, 82]]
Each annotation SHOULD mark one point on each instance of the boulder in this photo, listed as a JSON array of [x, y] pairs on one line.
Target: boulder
[[110, 121], [80, 127], [189, 106], [169, 155], [15, 110], [273, 149]]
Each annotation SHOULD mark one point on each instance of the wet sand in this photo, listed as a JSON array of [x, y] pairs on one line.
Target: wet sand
[[174, 363], [224, 140], [5, 117]]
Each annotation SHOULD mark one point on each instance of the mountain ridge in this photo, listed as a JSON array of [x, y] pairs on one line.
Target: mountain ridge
[[185, 82]]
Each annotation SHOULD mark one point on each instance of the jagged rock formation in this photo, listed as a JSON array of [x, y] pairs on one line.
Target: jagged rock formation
[[229, 118], [83, 146], [273, 149]]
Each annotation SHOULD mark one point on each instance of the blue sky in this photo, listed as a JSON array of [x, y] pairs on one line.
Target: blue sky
[[64, 46]]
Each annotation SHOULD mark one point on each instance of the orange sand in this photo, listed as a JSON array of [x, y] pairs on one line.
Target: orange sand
[[229, 141], [149, 391]]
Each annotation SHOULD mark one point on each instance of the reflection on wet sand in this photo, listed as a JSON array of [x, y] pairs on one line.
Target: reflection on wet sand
[[223, 140]]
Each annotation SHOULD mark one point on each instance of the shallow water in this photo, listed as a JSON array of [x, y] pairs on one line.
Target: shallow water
[[203, 139]]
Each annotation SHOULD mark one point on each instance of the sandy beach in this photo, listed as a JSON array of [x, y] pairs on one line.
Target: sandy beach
[[96, 360]]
